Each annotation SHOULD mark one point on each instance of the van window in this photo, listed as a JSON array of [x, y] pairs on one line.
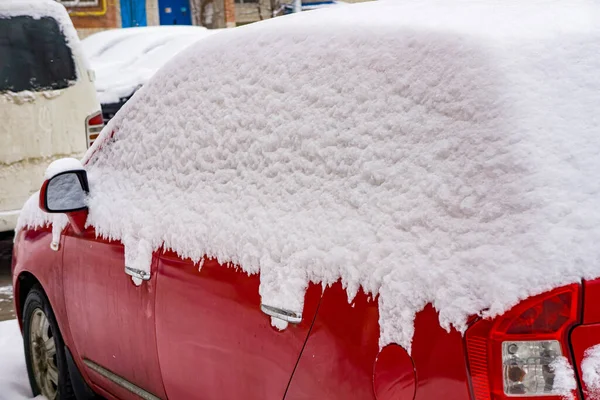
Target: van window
[[34, 55]]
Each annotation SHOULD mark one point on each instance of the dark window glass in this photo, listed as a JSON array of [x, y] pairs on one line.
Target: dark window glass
[[34, 55]]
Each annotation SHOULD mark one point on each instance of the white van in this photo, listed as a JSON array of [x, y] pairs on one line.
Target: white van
[[48, 105]]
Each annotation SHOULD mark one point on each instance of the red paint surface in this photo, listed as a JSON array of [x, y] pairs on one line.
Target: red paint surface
[[339, 358], [394, 374], [111, 319], [213, 340], [591, 301]]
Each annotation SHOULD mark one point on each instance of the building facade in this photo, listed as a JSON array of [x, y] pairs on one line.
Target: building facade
[[90, 16]]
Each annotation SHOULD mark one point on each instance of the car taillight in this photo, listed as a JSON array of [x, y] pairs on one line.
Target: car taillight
[[93, 126], [518, 353]]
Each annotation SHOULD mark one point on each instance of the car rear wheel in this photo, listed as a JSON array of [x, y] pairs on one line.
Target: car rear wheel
[[44, 349]]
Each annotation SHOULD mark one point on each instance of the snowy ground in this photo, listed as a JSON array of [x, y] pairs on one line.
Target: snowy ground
[[6, 301], [14, 384]]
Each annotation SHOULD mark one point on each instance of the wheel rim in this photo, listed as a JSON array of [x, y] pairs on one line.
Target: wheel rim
[[43, 354]]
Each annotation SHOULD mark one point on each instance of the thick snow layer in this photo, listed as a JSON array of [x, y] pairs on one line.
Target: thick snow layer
[[564, 379], [14, 384], [590, 368], [62, 165], [440, 152], [45, 8], [114, 59], [32, 217], [97, 44], [123, 82]]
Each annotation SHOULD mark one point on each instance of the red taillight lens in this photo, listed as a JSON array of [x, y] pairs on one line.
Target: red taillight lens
[[93, 126], [510, 355], [545, 317], [96, 120]]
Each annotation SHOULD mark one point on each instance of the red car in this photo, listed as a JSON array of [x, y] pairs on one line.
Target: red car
[[374, 202]]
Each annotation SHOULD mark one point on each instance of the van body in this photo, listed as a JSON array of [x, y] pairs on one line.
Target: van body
[[47, 99]]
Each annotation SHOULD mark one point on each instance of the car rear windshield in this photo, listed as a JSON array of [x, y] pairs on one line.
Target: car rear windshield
[[34, 55]]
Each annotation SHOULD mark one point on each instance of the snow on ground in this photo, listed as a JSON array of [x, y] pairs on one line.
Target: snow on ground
[[14, 383], [431, 151], [6, 290], [6, 301]]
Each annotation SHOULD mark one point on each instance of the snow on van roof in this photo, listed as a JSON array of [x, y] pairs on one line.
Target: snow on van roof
[[440, 152]]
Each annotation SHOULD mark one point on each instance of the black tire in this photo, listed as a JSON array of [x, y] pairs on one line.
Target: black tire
[[35, 304]]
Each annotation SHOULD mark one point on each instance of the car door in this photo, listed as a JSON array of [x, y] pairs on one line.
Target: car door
[[111, 319], [213, 340]]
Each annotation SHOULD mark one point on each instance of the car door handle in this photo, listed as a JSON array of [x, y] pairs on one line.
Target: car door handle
[[289, 316], [137, 273]]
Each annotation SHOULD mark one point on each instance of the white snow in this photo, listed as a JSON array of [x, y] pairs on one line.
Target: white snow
[[123, 82], [14, 384], [118, 62], [95, 45], [6, 291], [590, 368], [62, 165], [440, 152], [564, 378], [32, 217]]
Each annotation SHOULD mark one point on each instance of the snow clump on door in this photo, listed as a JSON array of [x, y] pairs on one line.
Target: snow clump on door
[[590, 369], [440, 152]]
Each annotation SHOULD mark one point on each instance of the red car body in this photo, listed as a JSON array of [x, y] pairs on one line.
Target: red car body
[[189, 335]]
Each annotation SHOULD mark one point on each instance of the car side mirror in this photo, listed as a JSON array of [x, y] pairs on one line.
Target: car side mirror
[[65, 192]]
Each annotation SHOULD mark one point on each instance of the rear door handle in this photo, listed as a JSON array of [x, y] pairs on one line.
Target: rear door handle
[[285, 315]]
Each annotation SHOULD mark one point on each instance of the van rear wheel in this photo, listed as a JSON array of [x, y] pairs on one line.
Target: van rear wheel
[[44, 349]]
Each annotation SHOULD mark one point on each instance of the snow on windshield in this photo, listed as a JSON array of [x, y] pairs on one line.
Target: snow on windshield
[[440, 152]]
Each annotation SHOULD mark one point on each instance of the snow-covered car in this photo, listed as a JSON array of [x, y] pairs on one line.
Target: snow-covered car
[[115, 89], [391, 200], [124, 59], [95, 45], [48, 105]]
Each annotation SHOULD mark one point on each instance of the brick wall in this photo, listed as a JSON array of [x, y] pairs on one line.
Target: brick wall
[[110, 19], [252, 12], [229, 7]]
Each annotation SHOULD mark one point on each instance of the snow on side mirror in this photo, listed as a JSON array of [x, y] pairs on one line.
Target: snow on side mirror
[[65, 187]]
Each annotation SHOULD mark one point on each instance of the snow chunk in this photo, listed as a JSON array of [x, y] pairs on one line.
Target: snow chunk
[[564, 378], [440, 152], [590, 368], [32, 217], [62, 165]]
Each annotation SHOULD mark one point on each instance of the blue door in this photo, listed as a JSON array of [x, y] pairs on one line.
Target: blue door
[[174, 12], [133, 13]]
